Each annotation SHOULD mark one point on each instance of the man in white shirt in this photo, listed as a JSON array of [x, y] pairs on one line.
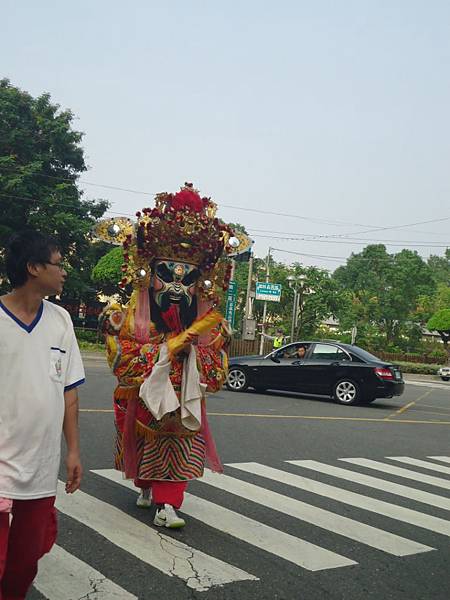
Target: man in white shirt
[[40, 370]]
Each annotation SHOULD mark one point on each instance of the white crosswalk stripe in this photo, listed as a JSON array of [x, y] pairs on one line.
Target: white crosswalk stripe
[[64, 575], [199, 570], [393, 511], [421, 463], [400, 471], [300, 552], [380, 484], [360, 532], [445, 459]]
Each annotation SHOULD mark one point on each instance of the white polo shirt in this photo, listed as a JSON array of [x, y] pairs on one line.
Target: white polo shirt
[[38, 362]]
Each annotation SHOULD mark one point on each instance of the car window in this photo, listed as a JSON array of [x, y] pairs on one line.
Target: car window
[[328, 352]]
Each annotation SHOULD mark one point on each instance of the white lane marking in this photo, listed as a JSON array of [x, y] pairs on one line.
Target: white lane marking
[[445, 459], [432, 384], [399, 471], [392, 511], [170, 556], [380, 484], [421, 463], [284, 545], [360, 532], [62, 575]]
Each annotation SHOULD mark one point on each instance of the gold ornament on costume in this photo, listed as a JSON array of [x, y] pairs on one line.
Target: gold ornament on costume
[[182, 227], [114, 230]]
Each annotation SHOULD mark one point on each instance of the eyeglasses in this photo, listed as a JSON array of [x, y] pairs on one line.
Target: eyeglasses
[[61, 266]]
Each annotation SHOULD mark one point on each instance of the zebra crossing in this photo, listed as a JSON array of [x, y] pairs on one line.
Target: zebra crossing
[[201, 571]]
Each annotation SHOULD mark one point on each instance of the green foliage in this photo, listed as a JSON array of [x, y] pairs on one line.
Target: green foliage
[[440, 268], [440, 322], [384, 290], [418, 368], [87, 335], [40, 161], [91, 347], [319, 296], [107, 273]]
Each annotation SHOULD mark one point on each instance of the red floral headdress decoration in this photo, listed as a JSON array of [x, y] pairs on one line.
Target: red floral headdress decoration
[[181, 227]]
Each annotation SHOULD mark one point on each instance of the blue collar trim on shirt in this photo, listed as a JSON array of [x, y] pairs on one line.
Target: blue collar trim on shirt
[[28, 328]]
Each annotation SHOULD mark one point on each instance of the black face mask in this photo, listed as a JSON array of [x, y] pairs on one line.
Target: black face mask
[[187, 312], [173, 303]]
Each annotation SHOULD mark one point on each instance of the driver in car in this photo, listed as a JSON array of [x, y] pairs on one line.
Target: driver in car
[[301, 351]]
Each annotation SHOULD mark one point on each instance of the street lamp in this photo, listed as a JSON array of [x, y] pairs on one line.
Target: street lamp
[[298, 285]]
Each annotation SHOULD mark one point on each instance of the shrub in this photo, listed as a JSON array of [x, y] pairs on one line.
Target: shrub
[[418, 368], [88, 335]]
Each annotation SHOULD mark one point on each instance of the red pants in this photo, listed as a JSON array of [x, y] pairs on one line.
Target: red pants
[[30, 535], [164, 492]]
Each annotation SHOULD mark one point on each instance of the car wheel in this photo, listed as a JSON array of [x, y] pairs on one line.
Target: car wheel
[[237, 380], [346, 391], [445, 378]]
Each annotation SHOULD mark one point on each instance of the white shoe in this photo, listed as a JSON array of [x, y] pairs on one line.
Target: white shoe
[[167, 517], [145, 498]]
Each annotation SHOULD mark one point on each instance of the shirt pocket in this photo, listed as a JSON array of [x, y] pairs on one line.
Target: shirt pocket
[[56, 367]]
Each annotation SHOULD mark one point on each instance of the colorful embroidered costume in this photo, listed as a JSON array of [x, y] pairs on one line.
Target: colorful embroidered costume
[[167, 347], [165, 448]]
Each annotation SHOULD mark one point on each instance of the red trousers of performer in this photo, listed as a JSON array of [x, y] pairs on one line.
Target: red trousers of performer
[[164, 492], [30, 535]]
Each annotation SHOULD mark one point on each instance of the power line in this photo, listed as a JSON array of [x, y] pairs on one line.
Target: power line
[[317, 236], [234, 207], [69, 205], [335, 258], [351, 242], [140, 192], [252, 210]]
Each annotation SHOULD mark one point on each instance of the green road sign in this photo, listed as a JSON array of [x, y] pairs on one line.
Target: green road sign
[[231, 302], [268, 291]]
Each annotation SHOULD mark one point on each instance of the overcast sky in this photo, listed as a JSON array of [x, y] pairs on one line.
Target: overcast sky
[[333, 113]]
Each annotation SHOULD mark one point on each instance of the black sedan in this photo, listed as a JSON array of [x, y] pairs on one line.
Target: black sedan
[[344, 372]]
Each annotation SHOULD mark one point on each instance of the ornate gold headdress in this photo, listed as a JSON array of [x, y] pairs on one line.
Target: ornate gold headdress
[[181, 227]]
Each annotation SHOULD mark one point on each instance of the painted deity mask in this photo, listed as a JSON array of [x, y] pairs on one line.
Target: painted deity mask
[[172, 294]]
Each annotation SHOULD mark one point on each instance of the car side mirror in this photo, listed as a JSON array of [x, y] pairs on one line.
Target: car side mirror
[[275, 358]]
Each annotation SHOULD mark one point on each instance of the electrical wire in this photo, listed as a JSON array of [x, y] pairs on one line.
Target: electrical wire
[[253, 210], [351, 242]]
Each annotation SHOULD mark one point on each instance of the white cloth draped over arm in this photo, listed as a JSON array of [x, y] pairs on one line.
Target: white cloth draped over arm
[[160, 398]]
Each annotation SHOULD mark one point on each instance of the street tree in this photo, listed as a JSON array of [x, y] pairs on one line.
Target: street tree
[[440, 322], [41, 158], [385, 289], [440, 268]]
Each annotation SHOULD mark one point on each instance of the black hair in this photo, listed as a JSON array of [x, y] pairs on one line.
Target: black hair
[[24, 248]]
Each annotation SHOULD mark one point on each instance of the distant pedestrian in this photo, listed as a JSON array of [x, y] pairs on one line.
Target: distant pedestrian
[[40, 369], [279, 339]]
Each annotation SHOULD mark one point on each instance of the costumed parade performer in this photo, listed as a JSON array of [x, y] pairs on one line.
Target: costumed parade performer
[[167, 346]]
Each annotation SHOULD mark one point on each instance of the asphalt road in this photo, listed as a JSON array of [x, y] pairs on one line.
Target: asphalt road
[[351, 540]]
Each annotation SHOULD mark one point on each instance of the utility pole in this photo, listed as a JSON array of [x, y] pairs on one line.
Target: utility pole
[[294, 313], [248, 301], [233, 269], [261, 343]]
